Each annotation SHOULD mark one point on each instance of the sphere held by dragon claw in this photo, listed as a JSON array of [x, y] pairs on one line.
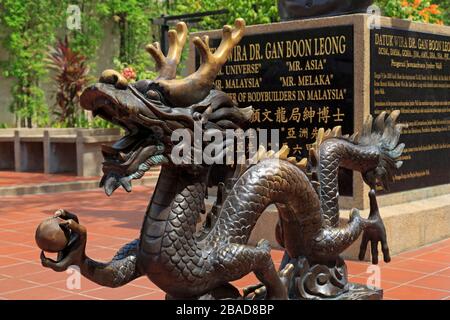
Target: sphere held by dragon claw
[[50, 236]]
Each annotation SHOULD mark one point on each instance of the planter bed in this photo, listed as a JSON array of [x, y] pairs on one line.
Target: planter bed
[[51, 150]]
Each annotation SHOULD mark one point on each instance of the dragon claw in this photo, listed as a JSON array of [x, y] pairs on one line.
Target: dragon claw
[[58, 266], [259, 291], [74, 253], [375, 232], [286, 275], [253, 289], [59, 213], [66, 215]]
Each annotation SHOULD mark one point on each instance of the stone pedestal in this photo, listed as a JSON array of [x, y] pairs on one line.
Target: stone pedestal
[[7, 149], [360, 292], [51, 150]]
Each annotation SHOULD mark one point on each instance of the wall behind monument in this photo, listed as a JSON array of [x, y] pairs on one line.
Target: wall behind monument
[[103, 60], [5, 89]]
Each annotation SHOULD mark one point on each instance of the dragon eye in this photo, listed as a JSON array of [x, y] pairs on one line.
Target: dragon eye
[[153, 95]]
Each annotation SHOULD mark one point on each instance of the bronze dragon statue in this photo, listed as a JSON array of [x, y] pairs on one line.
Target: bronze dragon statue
[[188, 262]]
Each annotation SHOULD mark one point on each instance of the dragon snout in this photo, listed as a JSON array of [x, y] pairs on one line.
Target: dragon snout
[[111, 103]]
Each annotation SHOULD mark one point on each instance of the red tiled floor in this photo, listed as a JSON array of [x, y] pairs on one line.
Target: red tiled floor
[[13, 284], [126, 292], [12, 178], [106, 242], [248, 280], [30, 254], [10, 249], [363, 280], [435, 257], [445, 272], [112, 222], [437, 282], [145, 283], [356, 267], [419, 265], [16, 237], [277, 256], [36, 293], [46, 277], [414, 253], [103, 254], [85, 285], [74, 296], [414, 293], [5, 261], [157, 295], [20, 270], [443, 243], [399, 275]]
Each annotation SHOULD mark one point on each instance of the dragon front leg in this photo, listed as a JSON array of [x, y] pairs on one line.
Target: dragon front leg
[[332, 241], [118, 272], [374, 232]]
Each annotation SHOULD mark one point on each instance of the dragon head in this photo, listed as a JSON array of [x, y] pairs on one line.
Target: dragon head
[[151, 110], [383, 133]]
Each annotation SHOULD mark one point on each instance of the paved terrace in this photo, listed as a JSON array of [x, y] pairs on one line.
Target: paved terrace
[[111, 222], [11, 178]]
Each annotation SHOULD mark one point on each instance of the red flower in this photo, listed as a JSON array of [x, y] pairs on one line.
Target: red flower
[[434, 9], [129, 73]]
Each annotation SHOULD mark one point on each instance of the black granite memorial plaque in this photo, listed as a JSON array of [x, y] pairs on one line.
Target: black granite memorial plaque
[[410, 71], [296, 81]]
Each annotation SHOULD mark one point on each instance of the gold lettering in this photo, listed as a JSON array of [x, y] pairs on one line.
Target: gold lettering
[[274, 50], [330, 45]]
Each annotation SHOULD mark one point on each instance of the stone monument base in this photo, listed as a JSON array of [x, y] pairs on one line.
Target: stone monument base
[[360, 292]]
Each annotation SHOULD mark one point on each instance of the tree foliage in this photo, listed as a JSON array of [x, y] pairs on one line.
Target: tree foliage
[[254, 12], [31, 27], [445, 6], [88, 38], [132, 19]]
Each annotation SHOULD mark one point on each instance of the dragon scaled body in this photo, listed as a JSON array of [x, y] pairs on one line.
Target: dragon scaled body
[[189, 263]]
